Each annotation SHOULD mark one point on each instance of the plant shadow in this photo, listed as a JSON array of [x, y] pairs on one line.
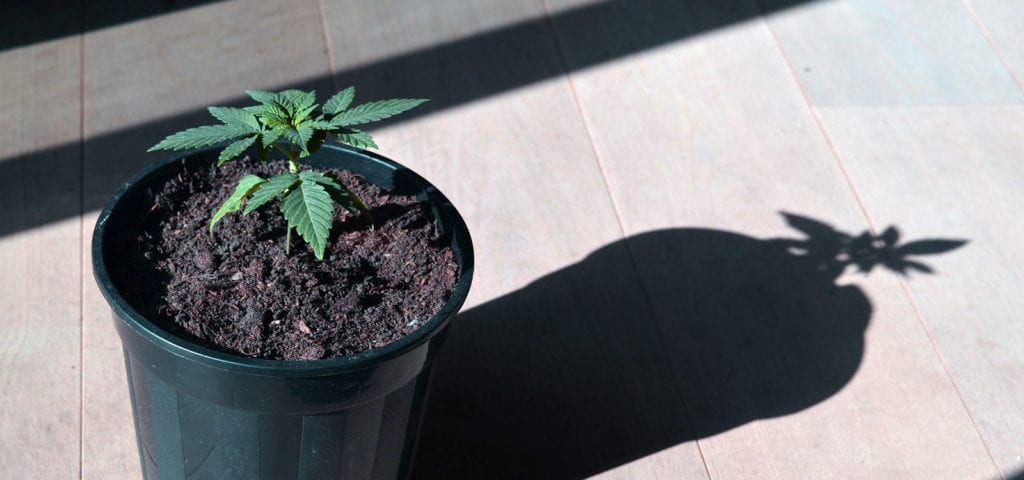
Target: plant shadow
[[666, 337]]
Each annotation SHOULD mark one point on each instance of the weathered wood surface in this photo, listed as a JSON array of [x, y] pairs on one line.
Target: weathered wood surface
[[660, 193], [956, 172], [144, 80], [770, 346], [554, 367], [40, 283], [928, 126]]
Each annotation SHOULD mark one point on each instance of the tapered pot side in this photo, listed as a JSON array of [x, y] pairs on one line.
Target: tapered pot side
[[201, 413]]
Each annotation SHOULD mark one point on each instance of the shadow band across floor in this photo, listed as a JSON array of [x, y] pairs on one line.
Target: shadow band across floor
[[603, 362]]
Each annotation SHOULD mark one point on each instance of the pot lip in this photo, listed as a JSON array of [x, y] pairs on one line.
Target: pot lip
[[286, 368]]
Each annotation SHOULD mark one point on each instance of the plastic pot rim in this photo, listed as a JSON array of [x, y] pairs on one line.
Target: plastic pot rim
[[284, 368]]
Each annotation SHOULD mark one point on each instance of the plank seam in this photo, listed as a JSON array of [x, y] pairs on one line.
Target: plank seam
[[874, 231], [991, 43], [81, 239], [328, 48], [616, 209], [949, 372]]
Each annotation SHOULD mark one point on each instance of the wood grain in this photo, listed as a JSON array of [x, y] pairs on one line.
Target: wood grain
[[1001, 22], [954, 172], [789, 368], [641, 308], [876, 53], [40, 283], [145, 80], [553, 369]]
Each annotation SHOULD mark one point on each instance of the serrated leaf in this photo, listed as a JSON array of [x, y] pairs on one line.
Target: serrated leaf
[[245, 187], [292, 135], [318, 177], [320, 124], [340, 194], [271, 136], [262, 96], [340, 101], [275, 115], [305, 133], [309, 210], [376, 110], [356, 138], [269, 190], [199, 137], [235, 149], [235, 116], [297, 98], [303, 114], [314, 143]]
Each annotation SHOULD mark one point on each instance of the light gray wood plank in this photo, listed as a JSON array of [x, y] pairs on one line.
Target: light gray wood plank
[[790, 367], [144, 80], [553, 369], [956, 172], [700, 130], [874, 52], [40, 284], [1001, 21], [663, 464]]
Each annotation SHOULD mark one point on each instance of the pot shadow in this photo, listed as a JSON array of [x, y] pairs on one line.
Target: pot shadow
[[663, 338]]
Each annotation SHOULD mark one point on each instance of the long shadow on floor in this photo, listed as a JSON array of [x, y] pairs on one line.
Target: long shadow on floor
[[602, 363]]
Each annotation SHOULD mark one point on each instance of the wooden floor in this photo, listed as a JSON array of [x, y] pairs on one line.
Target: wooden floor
[[744, 239]]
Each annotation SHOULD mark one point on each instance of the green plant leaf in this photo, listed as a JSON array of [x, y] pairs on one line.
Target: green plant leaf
[[356, 138], [270, 136], [320, 124], [303, 114], [200, 137], [376, 110], [235, 116], [339, 193], [275, 116], [263, 97], [245, 187], [309, 210], [269, 190], [305, 134], [235, 149], [340, 101], [297, 99], [314, 143]]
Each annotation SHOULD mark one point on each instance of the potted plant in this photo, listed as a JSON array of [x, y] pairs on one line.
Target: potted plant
[[250, 354]]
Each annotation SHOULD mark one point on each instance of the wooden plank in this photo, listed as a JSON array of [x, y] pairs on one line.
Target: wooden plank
[[40, 283], [663, 464], [956, 172], [788, 369], [874, 52], [1001, 21], [553, 368], [145, 80]]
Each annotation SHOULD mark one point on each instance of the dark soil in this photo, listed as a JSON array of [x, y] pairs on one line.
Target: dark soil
[[237, 291]]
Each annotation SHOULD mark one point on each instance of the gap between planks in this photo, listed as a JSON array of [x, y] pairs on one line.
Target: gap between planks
[[871, 224]]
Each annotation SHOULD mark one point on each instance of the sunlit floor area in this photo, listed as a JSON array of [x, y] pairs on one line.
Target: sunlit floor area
[[743, 239]]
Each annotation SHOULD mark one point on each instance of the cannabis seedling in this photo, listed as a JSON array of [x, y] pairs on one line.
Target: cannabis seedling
[[292, 116]]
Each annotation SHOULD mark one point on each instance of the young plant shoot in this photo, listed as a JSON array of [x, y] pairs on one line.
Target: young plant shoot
[[292, 122]]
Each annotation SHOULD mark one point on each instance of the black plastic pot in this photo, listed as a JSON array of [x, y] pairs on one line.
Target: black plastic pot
[[204, 414]]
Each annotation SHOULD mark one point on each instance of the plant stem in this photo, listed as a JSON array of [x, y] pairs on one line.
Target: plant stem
[[293, 158], [279, 147], [288, 242]]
